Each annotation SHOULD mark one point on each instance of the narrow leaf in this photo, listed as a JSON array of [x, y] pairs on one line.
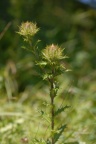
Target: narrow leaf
[[42, 63], [57, 135], [61, 110]]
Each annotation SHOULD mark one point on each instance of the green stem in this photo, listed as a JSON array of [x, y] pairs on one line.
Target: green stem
[[52, 109], [52, 96], [52, 121]]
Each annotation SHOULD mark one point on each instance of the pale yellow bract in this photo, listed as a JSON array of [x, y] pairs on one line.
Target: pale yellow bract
[[52, 53], [28, 29]]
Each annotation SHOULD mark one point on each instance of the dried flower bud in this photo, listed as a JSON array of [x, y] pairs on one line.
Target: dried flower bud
[[24, 140], [52, 53], [28, 29]]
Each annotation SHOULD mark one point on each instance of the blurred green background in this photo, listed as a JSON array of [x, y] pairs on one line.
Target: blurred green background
[[69, 24]]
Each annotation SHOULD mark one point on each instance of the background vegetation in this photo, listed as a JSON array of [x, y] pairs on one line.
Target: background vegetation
[[22, 92]]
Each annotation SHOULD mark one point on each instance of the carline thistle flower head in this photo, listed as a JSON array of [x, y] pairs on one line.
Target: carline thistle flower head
[[53, 53], [28, 29]]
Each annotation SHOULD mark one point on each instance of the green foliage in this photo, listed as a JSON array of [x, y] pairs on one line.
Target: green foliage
[[59, 133], [52, 57], [62, 109]]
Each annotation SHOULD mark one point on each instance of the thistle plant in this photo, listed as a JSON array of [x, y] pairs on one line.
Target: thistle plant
[[50, 61]]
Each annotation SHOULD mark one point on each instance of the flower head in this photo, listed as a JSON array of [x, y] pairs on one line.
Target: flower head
[[28, 29], [53, 53]]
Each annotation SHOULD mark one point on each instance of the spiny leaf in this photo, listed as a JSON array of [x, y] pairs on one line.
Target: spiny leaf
[[65, 57], [46, 76], [68, 70], [61, 110], [42, 63], [57, 135]]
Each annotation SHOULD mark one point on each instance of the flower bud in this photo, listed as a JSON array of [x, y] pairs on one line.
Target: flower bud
[[52, 53], [28, 29]]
